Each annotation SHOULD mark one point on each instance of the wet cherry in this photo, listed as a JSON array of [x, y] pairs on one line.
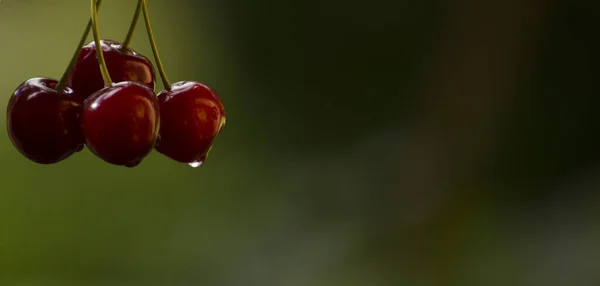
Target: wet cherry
[[192, 115], [120, 123], [123, 65], [43, 123]]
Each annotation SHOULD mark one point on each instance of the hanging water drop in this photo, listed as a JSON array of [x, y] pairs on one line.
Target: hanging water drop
[[196, 164]]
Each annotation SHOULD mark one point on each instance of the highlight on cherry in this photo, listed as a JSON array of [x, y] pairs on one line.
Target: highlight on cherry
[[105, 101]]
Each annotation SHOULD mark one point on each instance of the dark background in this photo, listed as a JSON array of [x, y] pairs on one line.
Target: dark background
[[432, 142]]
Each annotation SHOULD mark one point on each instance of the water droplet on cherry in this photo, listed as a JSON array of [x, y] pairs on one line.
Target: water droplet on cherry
[[196, 164]]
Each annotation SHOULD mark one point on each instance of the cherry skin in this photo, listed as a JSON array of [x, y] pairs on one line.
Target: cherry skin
[[120, 123], [43, 123], [123, 65], [192, 115]]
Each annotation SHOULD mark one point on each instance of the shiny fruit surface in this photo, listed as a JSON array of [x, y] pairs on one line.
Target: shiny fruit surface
[[192, 115], [123, 65], [43, 123], [120, 123]]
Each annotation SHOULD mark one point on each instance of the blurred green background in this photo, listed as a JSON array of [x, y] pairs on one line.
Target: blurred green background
[[385, 143]]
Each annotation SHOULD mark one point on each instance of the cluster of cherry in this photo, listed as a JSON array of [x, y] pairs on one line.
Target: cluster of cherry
[[106, 101]]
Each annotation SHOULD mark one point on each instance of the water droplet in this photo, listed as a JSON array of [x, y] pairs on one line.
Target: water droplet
[[196, 164]]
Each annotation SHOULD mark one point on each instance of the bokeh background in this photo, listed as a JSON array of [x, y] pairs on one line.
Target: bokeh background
[[384, 143]]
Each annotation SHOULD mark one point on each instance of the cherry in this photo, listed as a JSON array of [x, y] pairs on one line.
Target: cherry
[[192, 115], [123, 65], [120, 123], [42, 122]]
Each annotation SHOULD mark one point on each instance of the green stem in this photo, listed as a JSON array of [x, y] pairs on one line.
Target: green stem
[[63, 80], [161, 69], [134, 21], [99, 53]]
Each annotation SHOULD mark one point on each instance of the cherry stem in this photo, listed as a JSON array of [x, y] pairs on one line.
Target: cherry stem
[[161, 69], [99, 53], [63, 80], [134, 21]]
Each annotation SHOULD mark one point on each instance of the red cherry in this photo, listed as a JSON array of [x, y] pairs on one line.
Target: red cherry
[[43, 123], [120, 123], [123, 65], [192, 115]]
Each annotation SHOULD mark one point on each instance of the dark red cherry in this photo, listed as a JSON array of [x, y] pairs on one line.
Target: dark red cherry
[[123, 65], [192, 115], [43, 123], [120, 123]]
